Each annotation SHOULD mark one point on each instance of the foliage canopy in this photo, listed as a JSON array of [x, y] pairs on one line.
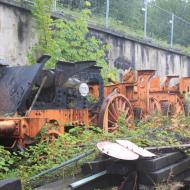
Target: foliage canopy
[[68, 40]]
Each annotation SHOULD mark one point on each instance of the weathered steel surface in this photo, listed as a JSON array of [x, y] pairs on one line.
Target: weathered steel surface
[[16, 84], [62, 87], [144, 96], [66, 70]]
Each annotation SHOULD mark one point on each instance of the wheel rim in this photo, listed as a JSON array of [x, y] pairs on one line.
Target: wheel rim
[[114, 106]]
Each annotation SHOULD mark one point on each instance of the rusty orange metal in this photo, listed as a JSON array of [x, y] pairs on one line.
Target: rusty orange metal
[[184, 85], [20, 130], [63, 117], [23, 130], [145, 95], [139, 95]]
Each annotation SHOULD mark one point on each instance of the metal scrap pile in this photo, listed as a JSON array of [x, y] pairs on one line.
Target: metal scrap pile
[[129, 166]]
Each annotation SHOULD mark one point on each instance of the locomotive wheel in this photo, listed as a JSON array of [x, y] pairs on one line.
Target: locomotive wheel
[[114, 106], [154, 105]]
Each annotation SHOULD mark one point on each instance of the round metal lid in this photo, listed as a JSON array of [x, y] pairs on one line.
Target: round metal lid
[[117, 151], [134, 148]]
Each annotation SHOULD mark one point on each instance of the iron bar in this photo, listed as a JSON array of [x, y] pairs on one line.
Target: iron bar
[[107, 12], [55, 5], [86, 180], [181, 146], [37, 95], [172, 31], [68, 162], [145, 18]]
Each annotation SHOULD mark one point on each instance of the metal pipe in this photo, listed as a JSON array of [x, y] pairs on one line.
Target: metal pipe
[[37, 95], [107, 12], [172, 31], [68, 162], [7, 127], [87, 180], [145, 18], [55, 5], [181, 146]]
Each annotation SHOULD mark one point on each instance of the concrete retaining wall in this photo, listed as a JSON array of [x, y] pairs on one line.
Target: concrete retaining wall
[[17, 36]]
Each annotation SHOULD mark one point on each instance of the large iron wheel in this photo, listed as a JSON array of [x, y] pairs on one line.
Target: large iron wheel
[[115, 106]]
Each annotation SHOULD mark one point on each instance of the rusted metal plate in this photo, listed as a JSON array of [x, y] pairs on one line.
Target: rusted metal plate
[[117, 151], [16, 83], [70, 69], [134, 148]]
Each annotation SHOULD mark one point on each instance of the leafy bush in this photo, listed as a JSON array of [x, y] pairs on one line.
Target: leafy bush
[[6, 161], [68, 40], [156, 131]]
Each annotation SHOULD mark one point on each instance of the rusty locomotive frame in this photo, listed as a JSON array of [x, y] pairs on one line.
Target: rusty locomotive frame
[[32, 97]]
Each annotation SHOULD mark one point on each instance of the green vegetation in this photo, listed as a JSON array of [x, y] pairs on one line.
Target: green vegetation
[[155, 131], [130, 19], [68, 41]]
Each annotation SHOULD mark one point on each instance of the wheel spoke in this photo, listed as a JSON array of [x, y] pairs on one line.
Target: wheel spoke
[[113, 107], [123, 106], [120, 104], [105, 121], [93, 118], [126, 112], [128, 118], [111, 129], [112, 115], [116, 106], [113, 110], [111, 121]]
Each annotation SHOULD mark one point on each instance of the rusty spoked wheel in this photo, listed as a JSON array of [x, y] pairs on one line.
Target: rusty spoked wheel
[[154, 105], [115, 106]]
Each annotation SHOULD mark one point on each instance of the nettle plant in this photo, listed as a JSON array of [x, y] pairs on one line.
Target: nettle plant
[[68, 40]]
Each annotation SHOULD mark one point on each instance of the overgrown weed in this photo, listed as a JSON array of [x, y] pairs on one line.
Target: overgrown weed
[[155, 131]]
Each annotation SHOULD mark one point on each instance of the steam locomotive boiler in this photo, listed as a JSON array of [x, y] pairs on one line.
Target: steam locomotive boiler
[[32, 97]]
